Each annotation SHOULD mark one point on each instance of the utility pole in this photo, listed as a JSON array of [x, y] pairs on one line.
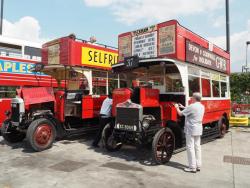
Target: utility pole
[[227, 26], [245, 67], [1, 18]]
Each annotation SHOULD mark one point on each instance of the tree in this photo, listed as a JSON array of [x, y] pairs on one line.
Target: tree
[[240, 87]]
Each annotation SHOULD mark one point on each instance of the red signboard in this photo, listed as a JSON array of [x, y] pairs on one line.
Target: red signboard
[[202, 56]]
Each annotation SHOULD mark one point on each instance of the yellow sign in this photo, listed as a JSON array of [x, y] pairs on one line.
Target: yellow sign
[[99, 58]]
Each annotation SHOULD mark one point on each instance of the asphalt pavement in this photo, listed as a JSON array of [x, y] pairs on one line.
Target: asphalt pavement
[[73, 163]]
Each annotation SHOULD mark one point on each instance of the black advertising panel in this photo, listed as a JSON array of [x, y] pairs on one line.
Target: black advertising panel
[[131, 62], [202, 56]]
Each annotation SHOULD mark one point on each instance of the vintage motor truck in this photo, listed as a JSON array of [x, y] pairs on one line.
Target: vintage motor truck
[[42, 114]]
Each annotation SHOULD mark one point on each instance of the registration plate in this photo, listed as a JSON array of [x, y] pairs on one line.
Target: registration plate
[[126, 127]]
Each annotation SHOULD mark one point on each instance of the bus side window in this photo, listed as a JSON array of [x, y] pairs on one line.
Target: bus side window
[[216, 88], [206, 89], [194, 84], [224, 89]]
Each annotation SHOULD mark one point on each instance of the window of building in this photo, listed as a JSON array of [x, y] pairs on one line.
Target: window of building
[[32, 53], [10, 50], [8, 91], [99, 80], [194, 84]]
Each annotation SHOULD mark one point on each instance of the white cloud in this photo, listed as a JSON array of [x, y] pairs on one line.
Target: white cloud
[[99, 3], [219, 22], [238, 47], [27, 28], [131, 11]]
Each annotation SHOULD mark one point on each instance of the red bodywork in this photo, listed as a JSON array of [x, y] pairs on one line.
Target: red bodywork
[[5, 105], [10, 77], [215, 109], [35, 97], [91, 106], [120, 96], [149, 97], [39, 95]]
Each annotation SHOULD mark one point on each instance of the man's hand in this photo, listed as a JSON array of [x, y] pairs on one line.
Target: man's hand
[[176, 105], [181, 106]]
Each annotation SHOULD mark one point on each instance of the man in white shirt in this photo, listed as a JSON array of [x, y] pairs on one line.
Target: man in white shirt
[[105, 115], [193, 130]]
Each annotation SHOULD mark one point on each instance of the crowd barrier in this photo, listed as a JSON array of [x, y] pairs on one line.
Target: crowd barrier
[[239, 121]]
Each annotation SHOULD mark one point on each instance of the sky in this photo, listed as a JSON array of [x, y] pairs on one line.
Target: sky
[[43, 20]]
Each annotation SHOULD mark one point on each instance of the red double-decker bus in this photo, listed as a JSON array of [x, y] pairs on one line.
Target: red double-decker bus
[[17, 57], [165, 64]]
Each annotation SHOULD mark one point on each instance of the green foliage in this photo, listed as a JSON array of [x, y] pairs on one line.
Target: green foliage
[[240, 87]]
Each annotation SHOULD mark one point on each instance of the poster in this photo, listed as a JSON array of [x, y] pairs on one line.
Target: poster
[[145, 45], [124, 46], [167, 40]]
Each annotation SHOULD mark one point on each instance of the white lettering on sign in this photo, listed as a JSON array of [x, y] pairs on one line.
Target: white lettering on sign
[[145, 45], [199, 55]]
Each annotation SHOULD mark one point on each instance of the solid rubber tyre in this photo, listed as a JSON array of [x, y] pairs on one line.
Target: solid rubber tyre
[[163, 143], [11, 135], [222, 125], [41, 134], [108, 141]]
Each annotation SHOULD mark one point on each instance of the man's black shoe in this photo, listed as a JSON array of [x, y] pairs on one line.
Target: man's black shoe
[[95, 145]]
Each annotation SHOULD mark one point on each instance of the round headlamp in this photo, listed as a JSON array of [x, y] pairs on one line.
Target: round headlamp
[[145, 123]]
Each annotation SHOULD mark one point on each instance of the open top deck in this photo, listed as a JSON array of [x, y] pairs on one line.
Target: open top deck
[[171, 40]]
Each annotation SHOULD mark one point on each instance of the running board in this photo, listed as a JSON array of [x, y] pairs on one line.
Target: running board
[[80, 131]]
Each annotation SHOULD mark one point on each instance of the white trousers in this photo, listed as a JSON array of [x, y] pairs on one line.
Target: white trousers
[[193, 145]]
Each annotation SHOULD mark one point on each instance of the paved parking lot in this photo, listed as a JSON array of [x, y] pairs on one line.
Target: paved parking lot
[[73, 163]]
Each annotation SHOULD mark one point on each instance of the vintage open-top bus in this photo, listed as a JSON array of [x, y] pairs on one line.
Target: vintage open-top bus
[[165, 64]]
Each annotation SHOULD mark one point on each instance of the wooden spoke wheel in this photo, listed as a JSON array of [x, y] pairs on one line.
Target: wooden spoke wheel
[[41, 134], [163, 146]]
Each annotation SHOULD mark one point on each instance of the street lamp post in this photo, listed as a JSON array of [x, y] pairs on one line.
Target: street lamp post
[[245, 67], [1, 18], [227, 26]]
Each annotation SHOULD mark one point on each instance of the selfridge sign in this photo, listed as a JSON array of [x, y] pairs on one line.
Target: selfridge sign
[[144, 42], [202, 56]]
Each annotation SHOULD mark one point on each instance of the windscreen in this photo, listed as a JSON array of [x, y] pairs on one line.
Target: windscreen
[[144, 77]]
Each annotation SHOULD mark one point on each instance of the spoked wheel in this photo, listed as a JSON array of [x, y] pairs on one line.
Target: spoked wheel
[[41, 134], [163, 146], [222, 124], [10, 134], [108, 140]]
